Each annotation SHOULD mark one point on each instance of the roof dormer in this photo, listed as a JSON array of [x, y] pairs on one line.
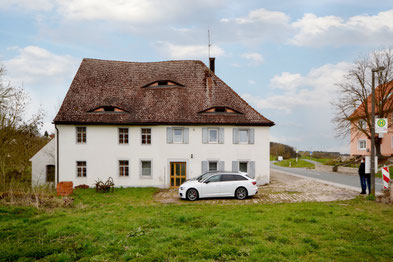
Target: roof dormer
[[163, 83], [220, 110], [112, 109]]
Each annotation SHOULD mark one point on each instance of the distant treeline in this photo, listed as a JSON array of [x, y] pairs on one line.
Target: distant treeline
[[321, 154], [277, 149]]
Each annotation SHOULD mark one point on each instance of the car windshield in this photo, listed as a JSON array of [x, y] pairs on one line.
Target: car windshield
[[202, 177]]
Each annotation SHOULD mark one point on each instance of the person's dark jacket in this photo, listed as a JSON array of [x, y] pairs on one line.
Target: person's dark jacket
[[362, 169]]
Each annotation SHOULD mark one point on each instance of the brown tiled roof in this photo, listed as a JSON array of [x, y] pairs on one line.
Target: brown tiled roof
[[101, 83], [380, 91]]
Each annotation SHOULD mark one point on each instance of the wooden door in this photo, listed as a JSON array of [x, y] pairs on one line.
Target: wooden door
[[178, 173]]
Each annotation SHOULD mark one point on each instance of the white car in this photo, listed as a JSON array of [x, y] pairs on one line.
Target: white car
[[219, 184]]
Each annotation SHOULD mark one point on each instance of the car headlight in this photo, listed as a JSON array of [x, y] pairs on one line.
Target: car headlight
[[181, 188]]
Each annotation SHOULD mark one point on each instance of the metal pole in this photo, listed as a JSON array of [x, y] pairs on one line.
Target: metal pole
[[372, 168]]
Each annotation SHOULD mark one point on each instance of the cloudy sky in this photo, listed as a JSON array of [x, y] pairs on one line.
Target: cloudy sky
[[283, 57]]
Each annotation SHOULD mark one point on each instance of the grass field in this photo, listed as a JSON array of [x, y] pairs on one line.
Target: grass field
[[292, 163], [130, 225], [323, 161]]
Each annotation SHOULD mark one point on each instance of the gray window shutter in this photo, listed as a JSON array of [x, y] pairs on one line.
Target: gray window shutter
[[251, 137], [205, 165], [204, 135], [236, 135], [185, 135], [169, 135], [221, 135], [221, 166], [251, 169], [235, 166]]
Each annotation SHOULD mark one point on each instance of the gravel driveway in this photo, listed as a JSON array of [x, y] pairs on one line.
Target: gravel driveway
[[283, 188]]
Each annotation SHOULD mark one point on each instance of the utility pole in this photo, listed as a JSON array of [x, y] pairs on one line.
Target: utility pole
[[372, 168], [208, 43]]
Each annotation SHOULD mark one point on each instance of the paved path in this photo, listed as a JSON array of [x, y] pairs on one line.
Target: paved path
[[346, 181], [311, 161], [283, 188]]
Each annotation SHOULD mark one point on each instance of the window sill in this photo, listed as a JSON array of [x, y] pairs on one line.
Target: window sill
[[146, 177]]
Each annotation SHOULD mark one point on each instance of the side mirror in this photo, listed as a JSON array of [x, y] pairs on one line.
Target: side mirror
[[207, 182]]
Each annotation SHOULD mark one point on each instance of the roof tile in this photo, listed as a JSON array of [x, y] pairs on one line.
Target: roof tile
[[122, 84]]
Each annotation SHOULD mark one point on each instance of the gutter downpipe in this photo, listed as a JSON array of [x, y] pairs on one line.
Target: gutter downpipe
[[57, 153]]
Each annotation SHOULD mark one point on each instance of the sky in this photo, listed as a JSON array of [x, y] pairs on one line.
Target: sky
[[283, 57]]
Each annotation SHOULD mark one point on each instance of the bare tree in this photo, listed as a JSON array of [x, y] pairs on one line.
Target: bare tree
[[17, 132], [353, 107]]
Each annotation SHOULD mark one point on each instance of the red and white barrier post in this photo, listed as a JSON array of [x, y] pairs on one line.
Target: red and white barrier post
[[385, 177]]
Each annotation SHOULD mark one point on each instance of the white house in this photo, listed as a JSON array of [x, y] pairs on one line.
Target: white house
[[156, 124]]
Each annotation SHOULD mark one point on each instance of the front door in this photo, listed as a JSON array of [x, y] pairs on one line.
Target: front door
[[178, 173]]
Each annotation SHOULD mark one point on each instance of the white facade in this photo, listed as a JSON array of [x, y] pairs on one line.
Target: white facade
[[39, 162], [102, 153]]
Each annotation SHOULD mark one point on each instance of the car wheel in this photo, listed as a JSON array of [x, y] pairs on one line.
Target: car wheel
[[192, 194], [241, 193]]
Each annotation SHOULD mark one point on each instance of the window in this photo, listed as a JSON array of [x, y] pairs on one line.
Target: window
[[178, 135], [243, 166], [243, 136], [213, 135], [146, 136], [81, 168], [123, 167], [163, 83], [146, 168], [213, 166], [362, 144], [111, 109], [80, 134], [123, 135], [215, 178], [220, 110], [50, 173], [230, 177], [238, 178]]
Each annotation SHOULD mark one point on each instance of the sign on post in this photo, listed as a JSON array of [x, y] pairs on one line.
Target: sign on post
[[381, 125], [368, 164], [385, 177]]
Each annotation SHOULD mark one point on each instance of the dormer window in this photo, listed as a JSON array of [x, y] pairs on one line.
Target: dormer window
[[112, 109], [221, 110], [163, 83]]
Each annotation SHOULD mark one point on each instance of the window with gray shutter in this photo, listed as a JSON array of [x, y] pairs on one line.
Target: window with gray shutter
[[204, 135], [186, 134], [221, 166], [251, 169], [213, 165], [169, 135], [243, 167], [235, 166], [221, 136], [236, 135], [251, 137], [204, 166]]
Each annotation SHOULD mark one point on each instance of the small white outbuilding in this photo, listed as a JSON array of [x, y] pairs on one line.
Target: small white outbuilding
[[43, 164]]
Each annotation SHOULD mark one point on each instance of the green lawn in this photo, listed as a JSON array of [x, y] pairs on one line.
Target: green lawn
[[292, 163], [129, 225], [323, 161]]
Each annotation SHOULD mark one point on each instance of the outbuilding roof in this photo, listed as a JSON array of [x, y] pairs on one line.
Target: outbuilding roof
[[169, 92]]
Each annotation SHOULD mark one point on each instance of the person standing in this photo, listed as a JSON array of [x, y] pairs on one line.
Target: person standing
[[362, 175]]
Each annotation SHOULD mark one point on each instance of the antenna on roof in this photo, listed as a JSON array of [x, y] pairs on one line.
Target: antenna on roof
[[208, 43]]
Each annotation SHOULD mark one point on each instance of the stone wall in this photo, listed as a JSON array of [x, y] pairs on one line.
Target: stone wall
[[340, 169]]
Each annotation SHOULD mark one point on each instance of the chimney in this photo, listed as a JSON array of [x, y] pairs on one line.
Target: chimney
[[211, 60]]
